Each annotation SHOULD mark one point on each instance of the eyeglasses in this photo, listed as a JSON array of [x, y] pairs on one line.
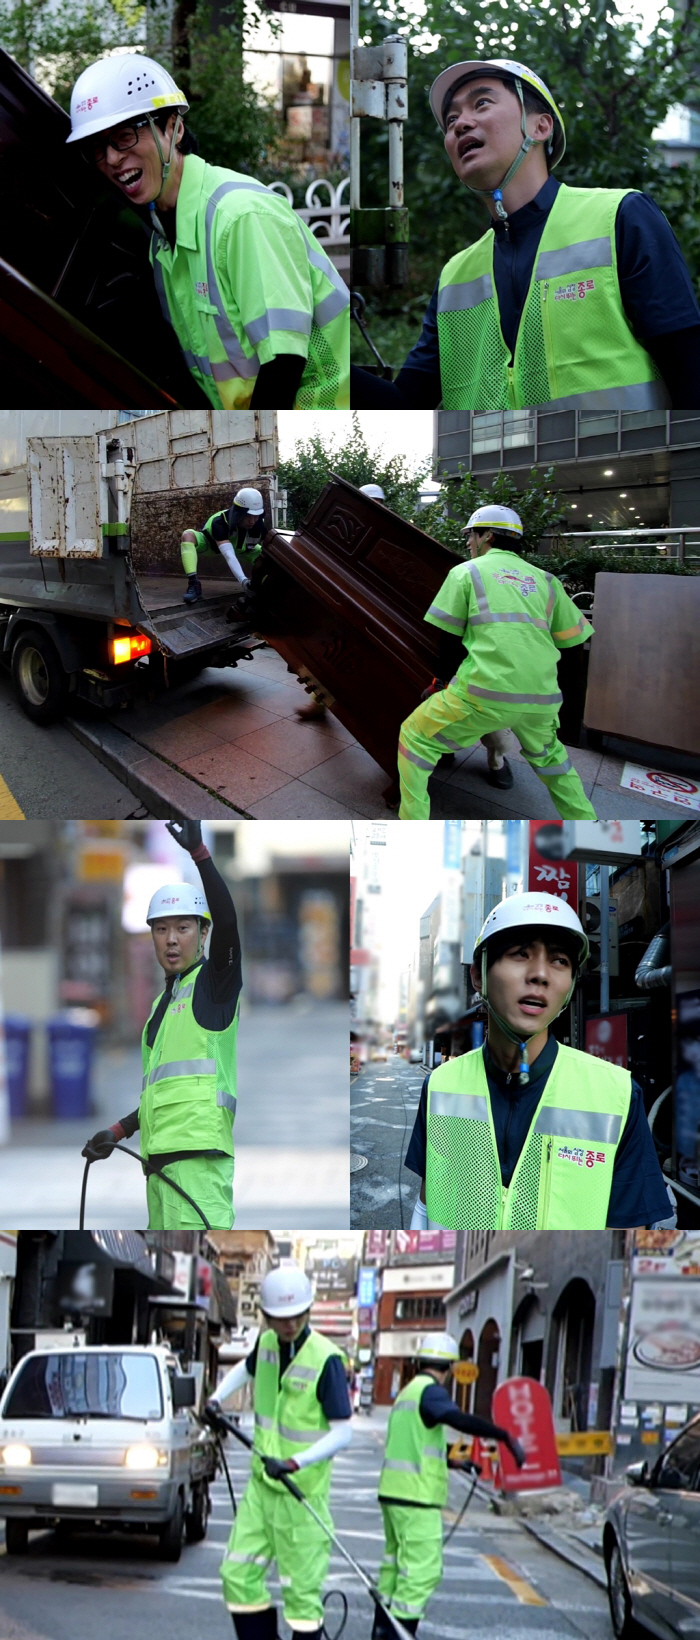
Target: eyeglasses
[[123, 138]]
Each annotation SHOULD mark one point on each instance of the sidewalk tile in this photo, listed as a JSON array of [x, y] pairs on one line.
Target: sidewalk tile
[[238, 777], [293, 747], [352, 777], [297, 801]]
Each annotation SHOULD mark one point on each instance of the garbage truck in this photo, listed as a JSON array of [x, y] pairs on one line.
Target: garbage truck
[[91, 582]]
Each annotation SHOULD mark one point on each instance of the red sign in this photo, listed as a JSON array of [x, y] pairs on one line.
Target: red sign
[[548, 872], [523, 1406], [606, 1038], [425, 1241]]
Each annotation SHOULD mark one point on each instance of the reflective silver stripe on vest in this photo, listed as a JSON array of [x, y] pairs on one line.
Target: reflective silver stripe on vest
[[473, 1106], [278, 319], [337, 299], [589, 253], [412, 757], [243, 366], [455, 298], [309, 1374], [517, 615], [643, 396], [268, 1355], [262, 1422], [182, 992], [482, 602], [227, 1101], [305, 1435], [552, 594], [517, 700], [442, 615], [433, 1452], [403, 1464], [405, 1406], [594, 1125], [183, 1067]]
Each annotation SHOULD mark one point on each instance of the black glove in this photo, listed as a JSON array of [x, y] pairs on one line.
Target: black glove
[[100, 1146], [276, 1467], [433, 689], [188, 833], [213, 1416], [517, 1451]]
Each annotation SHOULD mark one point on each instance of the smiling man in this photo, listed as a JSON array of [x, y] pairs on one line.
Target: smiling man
[[259, 310], [188, 1098], [527, 1134], [573, 298]]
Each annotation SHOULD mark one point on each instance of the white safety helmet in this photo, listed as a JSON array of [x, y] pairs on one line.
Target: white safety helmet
[[497, 68], [494, 517], [178, 900], [286, 1292], [440, 1348], [533, 910], [249, 501], [374, 491], [120, 88]]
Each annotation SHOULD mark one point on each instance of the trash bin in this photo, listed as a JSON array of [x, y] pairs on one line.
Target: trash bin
[[71, 1045], [17, 1035]]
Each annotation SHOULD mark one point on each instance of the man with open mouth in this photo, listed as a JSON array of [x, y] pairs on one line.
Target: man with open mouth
[[527, 1133], [572, 293], [259, 310]]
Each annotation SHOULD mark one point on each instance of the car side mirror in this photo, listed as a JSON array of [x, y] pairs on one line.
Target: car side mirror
[[637, 1474], [184, 1391]]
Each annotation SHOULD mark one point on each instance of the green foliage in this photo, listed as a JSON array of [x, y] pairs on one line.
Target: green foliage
[[55, 42], [539, 505], [234, 126], [578, 568], [315, 458], [612, 90]]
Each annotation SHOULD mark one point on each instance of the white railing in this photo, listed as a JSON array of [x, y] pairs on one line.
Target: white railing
[[329, 222]]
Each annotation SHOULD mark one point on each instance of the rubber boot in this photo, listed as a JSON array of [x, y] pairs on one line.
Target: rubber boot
[[381, 1627], [194, 590], [501, 778], [260, 1625]]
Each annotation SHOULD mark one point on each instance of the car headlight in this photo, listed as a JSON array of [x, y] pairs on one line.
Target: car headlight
[[17, 1456], [143, 1457]]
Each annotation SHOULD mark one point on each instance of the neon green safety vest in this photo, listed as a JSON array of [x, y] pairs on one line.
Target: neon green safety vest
[[288, 1414], [415, 1458], [239, 292], [188, 1099], [247, 555], [514, 620], [574, 349], [563, 1177]]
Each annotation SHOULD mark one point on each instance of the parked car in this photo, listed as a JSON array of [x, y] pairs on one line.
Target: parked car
[[651, 1543], [103, 1436]]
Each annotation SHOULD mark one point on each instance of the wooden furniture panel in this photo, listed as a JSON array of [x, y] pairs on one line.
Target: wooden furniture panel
[[644, 674]]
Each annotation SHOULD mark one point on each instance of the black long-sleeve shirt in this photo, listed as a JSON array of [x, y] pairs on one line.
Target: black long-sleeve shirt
[[437, 1407], [217, 987]]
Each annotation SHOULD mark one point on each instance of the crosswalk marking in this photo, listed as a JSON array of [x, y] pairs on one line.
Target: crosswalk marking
[[523, 1590]]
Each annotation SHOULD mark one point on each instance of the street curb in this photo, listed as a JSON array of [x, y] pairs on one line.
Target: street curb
[[550, 1541], [168, 794]]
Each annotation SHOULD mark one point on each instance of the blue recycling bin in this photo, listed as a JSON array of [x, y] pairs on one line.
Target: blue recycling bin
[[17, 1036], [71, 1048]]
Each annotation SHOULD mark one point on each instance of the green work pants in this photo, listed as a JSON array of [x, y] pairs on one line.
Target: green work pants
[[274, 1526], [412, 1561], [448, 722], [207, 1179]]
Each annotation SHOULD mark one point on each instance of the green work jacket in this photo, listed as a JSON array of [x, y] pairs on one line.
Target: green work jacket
[[288, 1414], [188, 1098], [415, 1458]]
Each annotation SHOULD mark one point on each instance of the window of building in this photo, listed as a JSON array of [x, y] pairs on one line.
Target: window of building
[[420, 1308]]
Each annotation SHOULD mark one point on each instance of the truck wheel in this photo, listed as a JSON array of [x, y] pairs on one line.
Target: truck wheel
[[40, 682], [197, 1518], [16, 1536], [170, 1535]]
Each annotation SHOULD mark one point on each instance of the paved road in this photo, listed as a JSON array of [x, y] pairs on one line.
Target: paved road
[[383, 1104], [291, 1134], [497, 1579], [46, 771]]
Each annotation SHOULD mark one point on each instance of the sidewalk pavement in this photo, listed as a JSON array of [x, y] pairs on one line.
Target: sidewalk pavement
[[231, 742]]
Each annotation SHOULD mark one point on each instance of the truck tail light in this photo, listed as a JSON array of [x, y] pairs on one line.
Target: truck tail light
[[130, 647]]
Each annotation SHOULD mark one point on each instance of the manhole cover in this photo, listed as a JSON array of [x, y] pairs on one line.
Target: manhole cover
[[357, 1162]]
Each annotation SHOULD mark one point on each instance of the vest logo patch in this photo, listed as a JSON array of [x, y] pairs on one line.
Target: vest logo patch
[[580, 1157], [202, 287], [510, 577], [570, 293]]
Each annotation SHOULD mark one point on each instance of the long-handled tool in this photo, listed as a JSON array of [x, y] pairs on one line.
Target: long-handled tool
[[296, 1492], [148, 1168]]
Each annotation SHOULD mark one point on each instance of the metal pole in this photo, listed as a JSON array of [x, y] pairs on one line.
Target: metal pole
[[354, 124], [604, 939]]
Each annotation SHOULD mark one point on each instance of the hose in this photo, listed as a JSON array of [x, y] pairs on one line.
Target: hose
[[148, 1169], [651, 975], [357, 308], [474, 1472]]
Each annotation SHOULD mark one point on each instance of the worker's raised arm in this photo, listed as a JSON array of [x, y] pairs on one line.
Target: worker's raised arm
[[225, 944]]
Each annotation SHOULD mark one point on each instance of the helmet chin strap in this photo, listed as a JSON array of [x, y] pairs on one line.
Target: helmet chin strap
[[528, 142], [166, 164], [515, 1036]]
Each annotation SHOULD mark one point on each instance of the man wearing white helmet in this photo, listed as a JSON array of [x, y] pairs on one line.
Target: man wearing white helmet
[[245, 522], [572, 294], [260, 312], [302, 1419], [513, 619], [374, 491], [188, 1098], [413, 1483], [526, 1133]]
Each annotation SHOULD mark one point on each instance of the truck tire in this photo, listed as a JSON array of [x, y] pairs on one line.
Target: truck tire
[[40, 682], [170, 1535], [16, 1536], [197, 1518]]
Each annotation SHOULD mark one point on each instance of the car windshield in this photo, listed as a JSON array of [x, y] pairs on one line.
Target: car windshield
[[109, 1385]]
